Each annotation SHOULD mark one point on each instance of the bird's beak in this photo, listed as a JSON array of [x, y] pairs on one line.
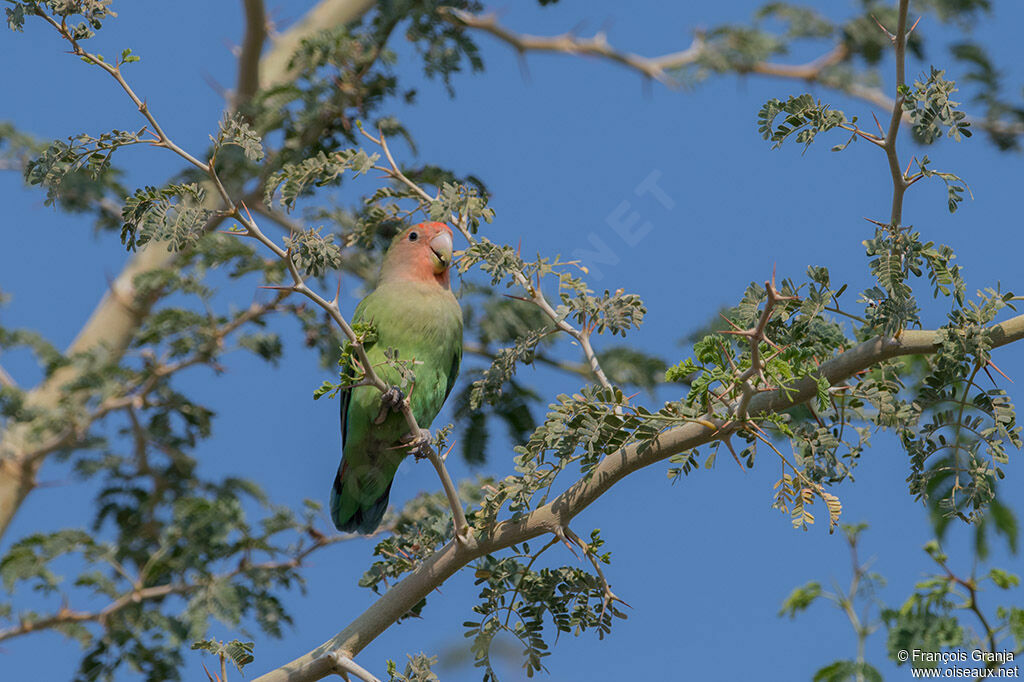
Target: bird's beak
[[442, 247]]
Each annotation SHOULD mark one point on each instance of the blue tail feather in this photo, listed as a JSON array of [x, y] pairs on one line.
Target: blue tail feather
[[365, 518]]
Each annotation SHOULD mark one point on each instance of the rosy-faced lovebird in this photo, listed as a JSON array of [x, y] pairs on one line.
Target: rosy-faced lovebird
[[414, 312]]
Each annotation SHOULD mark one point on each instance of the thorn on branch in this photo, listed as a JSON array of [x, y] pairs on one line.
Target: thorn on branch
[[608, 596], [884, 29], [878, 123], [911, 30], [728, 443], [993, 366]]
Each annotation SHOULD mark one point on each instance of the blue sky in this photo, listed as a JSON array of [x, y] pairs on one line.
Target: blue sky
[[562, 144]]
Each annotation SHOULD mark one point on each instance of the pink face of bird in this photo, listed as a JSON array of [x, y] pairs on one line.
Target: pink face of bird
[[422, 252]]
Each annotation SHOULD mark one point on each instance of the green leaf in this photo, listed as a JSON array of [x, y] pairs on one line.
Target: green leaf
[[312, 253], [235, 130], [800, 599], [238, 652], [296, 179], [1003, 579], [173, 215], [847, 671], [804, 117], [932, 111], [463, 201]]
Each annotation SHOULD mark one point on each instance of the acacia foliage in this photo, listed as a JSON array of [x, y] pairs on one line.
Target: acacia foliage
[[190, 548]]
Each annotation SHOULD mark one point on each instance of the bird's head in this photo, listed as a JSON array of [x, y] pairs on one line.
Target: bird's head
[[422, 253]]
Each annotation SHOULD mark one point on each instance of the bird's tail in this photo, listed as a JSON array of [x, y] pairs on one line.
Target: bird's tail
[[359, 499]]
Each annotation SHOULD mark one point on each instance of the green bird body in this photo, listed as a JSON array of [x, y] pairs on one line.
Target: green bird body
[[414, 312]]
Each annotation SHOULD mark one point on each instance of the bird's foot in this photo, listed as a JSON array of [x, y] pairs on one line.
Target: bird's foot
[[419, 446], [390, 401]]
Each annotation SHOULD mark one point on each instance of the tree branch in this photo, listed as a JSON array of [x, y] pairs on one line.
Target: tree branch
[[419, 437], [370, 377], [533, 290], [557, 514], [6, 380], [659, 68], [66, 616], [344, 665], [756, 335], [577, 368], [134, 395], [567, 43], [113, 323], [275, 67], [899, 182], [114, 70], [252, 46]]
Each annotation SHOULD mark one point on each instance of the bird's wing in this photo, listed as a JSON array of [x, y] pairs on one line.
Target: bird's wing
[[453, 373], [345, 395], [345, 399]]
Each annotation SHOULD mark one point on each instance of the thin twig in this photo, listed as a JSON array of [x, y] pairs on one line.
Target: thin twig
[[659, 68], [138, 594], [608, 596], [756, 335], [299, 285], [971, 602], [512, 602], [899, 180], [577, 368], [535, 295], [252, 230], [162, 140], [614, 467]]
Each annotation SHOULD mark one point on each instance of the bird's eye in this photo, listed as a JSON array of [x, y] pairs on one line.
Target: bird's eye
[[413, 236]]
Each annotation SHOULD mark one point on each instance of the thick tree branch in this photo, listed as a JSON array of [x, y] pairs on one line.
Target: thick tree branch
[[249, 57], [419, 438], [567, 43], [119, 313], [6, 380], [660, 68], [347, 665], [756, 336], [274, 67], [557, 514]]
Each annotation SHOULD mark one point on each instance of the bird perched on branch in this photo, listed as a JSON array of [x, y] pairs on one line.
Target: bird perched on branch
[[413, 312]]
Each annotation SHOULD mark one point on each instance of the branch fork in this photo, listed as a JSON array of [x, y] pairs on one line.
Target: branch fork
[[251, 230], [532, 289]]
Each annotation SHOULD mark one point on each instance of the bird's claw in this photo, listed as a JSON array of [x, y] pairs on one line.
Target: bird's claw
[[419, 446], [390, 401]]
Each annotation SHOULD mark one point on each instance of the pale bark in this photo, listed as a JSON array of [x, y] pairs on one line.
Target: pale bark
[[556, 515]]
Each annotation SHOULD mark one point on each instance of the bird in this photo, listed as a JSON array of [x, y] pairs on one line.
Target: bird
[[414, 312]]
